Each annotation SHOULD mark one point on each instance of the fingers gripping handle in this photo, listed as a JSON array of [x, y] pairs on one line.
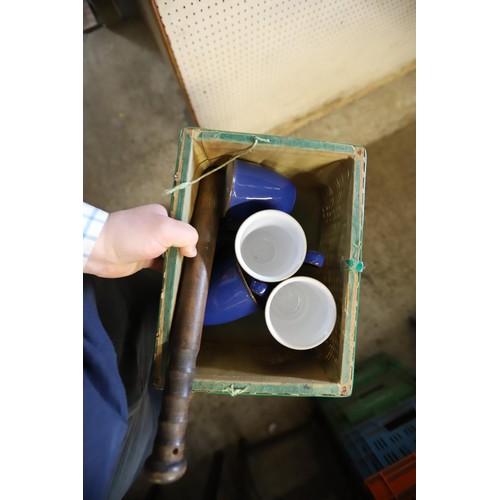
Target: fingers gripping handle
[[167, 462]]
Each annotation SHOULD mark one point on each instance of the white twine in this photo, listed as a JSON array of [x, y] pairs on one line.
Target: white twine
[[184, 185]]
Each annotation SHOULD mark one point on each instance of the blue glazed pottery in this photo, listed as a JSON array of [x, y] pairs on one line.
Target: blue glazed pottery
[[314, 258], [251, 188], [231, 294]]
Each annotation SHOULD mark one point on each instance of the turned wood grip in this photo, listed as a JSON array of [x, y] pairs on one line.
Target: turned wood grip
[[167, 462]]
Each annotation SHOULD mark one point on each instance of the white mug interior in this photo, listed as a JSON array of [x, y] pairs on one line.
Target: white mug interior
[[301, 313], [270, 245]]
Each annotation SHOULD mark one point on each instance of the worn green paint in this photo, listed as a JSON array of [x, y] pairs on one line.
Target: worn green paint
[[260, 389], [172, 255], [289, 142], [357, 226]]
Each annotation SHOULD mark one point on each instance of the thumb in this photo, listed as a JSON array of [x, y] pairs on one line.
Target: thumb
[[180, 235], [189, 251]]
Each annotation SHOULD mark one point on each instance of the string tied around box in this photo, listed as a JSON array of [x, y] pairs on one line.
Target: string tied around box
[[184, 185]]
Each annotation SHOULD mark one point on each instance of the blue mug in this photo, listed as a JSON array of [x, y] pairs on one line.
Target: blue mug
[[233, 294], [251, 187]]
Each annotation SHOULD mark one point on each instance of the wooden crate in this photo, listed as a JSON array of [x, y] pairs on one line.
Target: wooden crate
[[242, 357]]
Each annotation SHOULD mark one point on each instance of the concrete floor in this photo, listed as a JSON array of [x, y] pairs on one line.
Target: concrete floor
[[133, 113]]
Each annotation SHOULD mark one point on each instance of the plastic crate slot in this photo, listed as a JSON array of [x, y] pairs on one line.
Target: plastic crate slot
[[397, 436], [391, 457], [401, 420], [380, 444], [410, 429]]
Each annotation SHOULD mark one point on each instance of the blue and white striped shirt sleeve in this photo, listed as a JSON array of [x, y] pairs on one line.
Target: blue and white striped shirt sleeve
[[93, 222]]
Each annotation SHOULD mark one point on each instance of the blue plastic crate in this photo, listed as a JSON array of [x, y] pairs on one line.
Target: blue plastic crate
[[382, 441]]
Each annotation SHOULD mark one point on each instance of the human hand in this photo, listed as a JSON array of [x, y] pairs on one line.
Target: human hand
[[135, 239]]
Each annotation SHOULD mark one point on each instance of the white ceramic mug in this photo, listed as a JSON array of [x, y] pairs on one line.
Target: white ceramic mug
[[271, 246], [301, 313]]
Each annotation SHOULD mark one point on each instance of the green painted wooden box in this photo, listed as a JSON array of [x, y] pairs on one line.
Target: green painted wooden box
[[242, 358]]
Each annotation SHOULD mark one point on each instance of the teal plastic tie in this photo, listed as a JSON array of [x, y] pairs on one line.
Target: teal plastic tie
[[355, 266]]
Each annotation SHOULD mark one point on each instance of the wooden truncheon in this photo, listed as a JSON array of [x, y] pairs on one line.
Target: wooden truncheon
[[167, 462]]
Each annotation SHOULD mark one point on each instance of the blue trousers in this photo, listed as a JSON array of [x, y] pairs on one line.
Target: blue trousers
[[120, 406]]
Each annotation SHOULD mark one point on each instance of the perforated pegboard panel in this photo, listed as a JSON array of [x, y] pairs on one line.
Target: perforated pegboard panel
[[254, 65]]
